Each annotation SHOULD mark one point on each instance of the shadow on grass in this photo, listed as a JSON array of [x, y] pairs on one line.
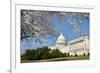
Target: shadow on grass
[[71, 58]]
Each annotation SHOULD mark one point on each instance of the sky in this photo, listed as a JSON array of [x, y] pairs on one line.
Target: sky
[[66, 28]]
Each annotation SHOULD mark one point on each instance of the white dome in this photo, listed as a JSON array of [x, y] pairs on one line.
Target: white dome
[[61, 39]]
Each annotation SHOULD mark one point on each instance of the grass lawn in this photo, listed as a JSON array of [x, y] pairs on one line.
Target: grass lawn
[[58, 59]]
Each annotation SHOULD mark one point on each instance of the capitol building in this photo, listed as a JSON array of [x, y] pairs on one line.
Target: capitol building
[[79, 46]]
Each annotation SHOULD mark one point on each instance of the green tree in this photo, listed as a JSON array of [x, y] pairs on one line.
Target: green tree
[[28, 54], [56, 53], [44, 53]]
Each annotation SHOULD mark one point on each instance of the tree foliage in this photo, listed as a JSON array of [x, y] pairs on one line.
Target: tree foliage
[[38, 24], [42, 53]]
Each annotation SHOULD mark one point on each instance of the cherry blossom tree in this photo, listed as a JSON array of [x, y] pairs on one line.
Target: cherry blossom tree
[[38, 24]]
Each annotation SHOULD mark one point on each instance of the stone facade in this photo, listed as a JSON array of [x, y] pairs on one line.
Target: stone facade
[[78, 46]]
